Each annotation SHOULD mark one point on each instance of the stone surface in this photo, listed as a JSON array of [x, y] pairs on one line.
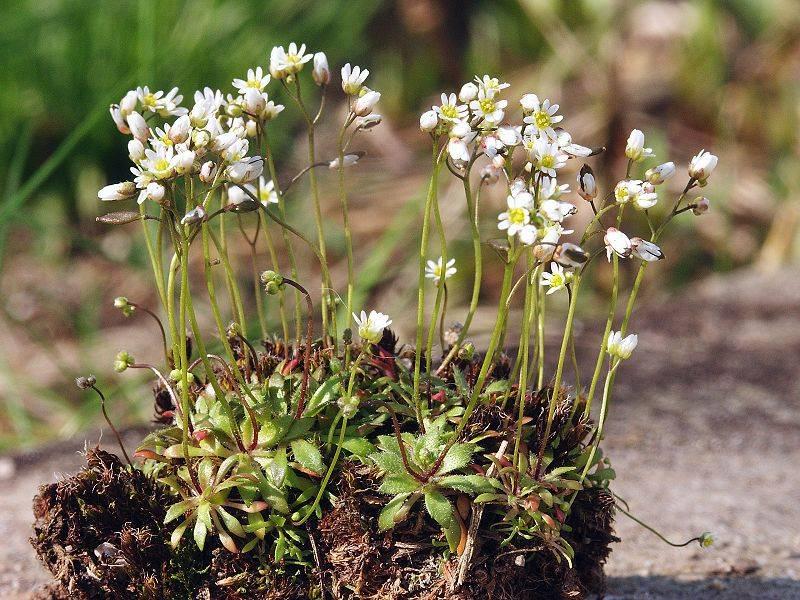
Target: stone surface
[[704, 435]]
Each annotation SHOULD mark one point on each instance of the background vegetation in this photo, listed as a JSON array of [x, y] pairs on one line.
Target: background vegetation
[[720, 74]]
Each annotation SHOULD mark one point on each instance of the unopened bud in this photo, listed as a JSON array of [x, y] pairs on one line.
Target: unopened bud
[[207, 172], [321, 73], [273, 282], [658, 175], [366, 102], [468, 92], [706, 539], [701, 205], [122, 303], [196, 215], [85, 383], [122, 361], [428, 121]]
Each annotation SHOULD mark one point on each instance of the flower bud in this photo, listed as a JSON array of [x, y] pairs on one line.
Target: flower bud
[[138, 127], [428, 121], [155, 192], [529, 103], [201, 138], [196, 215], [128, 103], [490, 174], [349, 160], [119, 120], [587, 183], [658, 175], [570, 255], [245, 170], [254, 101], [701, 205], [272, 281], [135, 150], [251, 127], [184, 161], [366, 103], [122, 303], [647, 251], [117, 191], [180, 129], [85, 383], [702, 165], [617, 243], [321, 73], [635, 149], [468, 92], [706, 539], [123, 361], [207, 172], [368, 122], [621, 348]]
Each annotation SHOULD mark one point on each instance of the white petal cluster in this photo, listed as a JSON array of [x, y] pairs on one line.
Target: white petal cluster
[[436, 271], [370, 327], [286, 62], [622, 347]]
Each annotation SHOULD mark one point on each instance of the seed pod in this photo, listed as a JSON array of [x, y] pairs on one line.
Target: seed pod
[[119, 218]]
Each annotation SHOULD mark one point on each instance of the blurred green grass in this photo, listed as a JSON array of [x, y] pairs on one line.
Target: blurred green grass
[[723, 73]]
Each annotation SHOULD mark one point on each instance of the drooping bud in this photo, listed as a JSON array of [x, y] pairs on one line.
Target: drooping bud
[[272, 281], [246, 170], [587, 183], [196, 215], [86, 382], [647, 251], [366, 102], [122, 303], [138, 127], [207, 172], [658, 175], [701, 205], [349, 160], [621, 348]]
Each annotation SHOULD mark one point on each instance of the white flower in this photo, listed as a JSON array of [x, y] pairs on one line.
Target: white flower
[[451, 110], [271, 110], [570, 255], [617, 243], [587, 183], [254, 101], [158, 102], [208, 171], [468, 92], [550, 189], [557, 279], [256, 80], [366, 102], [246, 170], [119, 119], [428, 121], [510, 136], [635, 149], [516, 217], [702, 165], [238, 194], [353, 79], [236, 151], [551, 235], [491, 86], [183, 161], [349, 161], [557, 211], [435, 270], [542, 115], [701, 205], [547, 156], [647, 197], [180, 129], [658, 175], [368, 122], [117, 191], [283, 63], [564, 140], [457, 145], [621, 348], [488, 108], [158, 162], [267, 192], [627, 190], [647, 251], [138, 127], [321, 73], [370, 328]]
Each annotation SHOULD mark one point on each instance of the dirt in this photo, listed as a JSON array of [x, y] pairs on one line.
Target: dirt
[[703, 436]]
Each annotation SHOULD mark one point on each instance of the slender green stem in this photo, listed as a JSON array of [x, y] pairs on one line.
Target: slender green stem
[[348, 236], [612, 308], [153, 253], [440, 288], [522, 359], [423, 252], [602, 421], [273, 255]]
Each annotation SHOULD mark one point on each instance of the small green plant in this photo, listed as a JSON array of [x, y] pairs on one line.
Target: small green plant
[[255, 439]]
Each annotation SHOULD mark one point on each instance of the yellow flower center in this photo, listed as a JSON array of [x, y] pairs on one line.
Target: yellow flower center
[[162, 164], [449, 111], [517, 216], [149, 99], [253, 83], [548, 161], [542, 119], [487, 106]]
